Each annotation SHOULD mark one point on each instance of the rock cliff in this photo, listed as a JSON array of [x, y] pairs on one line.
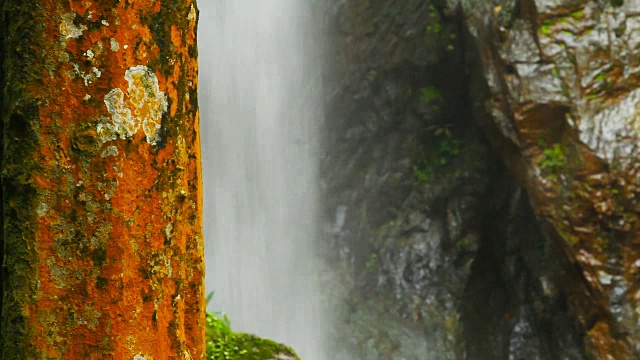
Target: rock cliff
[[481, 188]]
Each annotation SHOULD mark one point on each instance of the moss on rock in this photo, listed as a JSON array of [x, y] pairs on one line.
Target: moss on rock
[[224, 344]]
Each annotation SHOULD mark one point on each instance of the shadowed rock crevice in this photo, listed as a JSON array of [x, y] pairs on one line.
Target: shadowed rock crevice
[[513, 307], [480, 192]]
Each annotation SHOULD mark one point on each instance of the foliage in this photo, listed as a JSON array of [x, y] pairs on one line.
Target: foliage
[[434, 28], [577, 15], [553, 159], [224, 344], [423, 172], [446, 149], [434, 25], [430, 95], [463, 243], [372, 262], [545, 29]]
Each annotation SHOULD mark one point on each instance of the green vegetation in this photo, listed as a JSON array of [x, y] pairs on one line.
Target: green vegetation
[[423, 172], [437, 160], [601, 77], [372, 262], [553, 159], [435, 28], [545, 29], [433, 12], [434, 19], [577, 15], [224, 344], [463, 243], [431, 96]]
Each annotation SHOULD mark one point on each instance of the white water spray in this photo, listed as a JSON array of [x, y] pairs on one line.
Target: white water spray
[[260, 116]]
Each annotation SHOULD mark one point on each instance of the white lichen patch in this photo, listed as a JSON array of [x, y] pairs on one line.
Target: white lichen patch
[[168, 231], [192, 14], [114, 45], [68, 30], [105, 130], [145, 95], [105, 23], [110, 151], [144, 108], [42, 209], [87, 78], [122, 120], [139, 357]]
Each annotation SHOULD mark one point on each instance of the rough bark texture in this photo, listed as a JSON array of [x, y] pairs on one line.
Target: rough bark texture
[[101, 181]]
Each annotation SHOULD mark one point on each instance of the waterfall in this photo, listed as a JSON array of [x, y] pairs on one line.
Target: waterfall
[[260, 114]]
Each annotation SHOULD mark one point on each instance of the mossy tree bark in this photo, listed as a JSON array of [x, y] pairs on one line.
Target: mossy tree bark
[[103, 253]]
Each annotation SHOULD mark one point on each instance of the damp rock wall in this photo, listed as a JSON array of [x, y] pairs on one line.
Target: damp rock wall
[[480, 188]]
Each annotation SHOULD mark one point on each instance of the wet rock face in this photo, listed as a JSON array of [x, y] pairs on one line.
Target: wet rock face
[[481, 193], [562, 82], [419, 211], [402, 172]]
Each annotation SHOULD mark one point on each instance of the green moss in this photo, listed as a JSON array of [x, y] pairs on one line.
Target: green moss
[[224, 344], [545, 29], [433, 12], [435, 28], [577, 15], [553, 159], [372, 262], [439, 158], [601, 77], [463, 243], [430, 95]]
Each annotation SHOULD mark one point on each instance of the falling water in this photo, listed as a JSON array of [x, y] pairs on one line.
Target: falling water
[[260, 115]]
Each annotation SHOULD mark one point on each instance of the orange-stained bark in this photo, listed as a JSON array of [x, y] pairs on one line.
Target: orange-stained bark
[[101, 181]]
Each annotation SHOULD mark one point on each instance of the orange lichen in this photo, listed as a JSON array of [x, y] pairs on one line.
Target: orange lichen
[[117, 232]]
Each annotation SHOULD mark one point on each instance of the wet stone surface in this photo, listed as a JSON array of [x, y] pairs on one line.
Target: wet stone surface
[[466, 185]]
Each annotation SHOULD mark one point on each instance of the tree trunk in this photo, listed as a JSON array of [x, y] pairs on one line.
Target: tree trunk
[[103, 252]]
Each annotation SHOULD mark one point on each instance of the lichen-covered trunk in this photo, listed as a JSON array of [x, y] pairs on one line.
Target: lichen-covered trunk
[[101, 181]]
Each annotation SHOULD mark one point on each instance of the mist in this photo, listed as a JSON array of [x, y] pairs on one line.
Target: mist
[[260, 115]]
